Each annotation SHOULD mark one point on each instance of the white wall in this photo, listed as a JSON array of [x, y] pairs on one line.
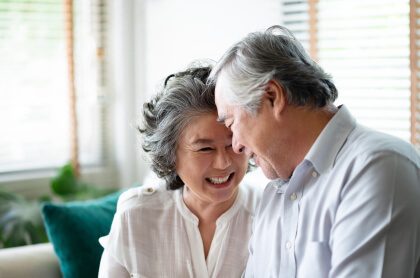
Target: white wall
[[154, 38], [180, 31]]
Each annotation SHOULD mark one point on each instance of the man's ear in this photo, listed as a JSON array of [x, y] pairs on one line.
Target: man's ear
[[276, 95]]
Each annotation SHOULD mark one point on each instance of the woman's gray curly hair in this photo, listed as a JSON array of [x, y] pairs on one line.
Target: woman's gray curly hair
[[184, 95]]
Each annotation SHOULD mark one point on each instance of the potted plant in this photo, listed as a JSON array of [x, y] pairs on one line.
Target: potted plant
[[21, 220]]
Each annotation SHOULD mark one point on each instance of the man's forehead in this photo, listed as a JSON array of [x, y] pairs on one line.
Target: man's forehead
[[219, 91], [223, 86], [223, 107]]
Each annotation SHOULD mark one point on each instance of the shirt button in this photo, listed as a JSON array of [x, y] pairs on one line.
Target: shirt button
[[293, 196], [148, 191], [314, 174], [288, 245]]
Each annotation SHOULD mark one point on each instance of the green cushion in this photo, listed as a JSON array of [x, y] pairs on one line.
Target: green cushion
[[74, 229]]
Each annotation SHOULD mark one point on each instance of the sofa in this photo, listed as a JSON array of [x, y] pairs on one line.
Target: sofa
[[38, 260]]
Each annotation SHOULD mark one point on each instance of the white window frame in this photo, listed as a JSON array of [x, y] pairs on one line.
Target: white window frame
[[122, 165]]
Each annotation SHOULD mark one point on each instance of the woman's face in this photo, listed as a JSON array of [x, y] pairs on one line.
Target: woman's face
[[206, 163]]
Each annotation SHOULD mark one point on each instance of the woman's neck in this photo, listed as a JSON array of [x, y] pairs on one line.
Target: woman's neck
[[207, 214], [206, 211]]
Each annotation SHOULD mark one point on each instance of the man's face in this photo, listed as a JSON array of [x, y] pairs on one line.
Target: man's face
[[251, 133]]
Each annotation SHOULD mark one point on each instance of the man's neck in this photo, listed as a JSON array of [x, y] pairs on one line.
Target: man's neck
[[308, 124]]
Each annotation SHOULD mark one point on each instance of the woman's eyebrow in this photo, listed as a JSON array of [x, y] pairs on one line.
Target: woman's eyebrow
[[201, 141]]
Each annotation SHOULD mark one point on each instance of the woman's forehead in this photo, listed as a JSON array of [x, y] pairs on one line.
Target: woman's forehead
[[204, 129]]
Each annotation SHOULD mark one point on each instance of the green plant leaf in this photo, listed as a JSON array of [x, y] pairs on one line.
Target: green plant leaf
[[69, 188], [65, 183], [20, 221]]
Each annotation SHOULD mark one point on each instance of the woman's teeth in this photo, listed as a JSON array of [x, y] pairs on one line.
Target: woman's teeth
[[219, 180]]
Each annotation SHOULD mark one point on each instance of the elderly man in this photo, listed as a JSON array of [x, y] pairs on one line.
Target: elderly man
[[344, 200]]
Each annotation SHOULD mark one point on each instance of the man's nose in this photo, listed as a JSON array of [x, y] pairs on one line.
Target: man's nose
[[237, 147]]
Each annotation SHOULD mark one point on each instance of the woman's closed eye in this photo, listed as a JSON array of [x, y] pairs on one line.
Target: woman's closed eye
[[205, 149]]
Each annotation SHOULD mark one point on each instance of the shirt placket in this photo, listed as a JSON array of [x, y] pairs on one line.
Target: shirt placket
[[197, 265], [292, 195]]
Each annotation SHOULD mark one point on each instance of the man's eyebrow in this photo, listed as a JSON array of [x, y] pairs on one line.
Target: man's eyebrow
[[221, 119]]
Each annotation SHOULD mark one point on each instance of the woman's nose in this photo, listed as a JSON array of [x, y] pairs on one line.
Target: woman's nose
[[223, 159]]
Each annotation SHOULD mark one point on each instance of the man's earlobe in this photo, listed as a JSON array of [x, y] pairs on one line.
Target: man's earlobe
[[276, 96], [270, 92]]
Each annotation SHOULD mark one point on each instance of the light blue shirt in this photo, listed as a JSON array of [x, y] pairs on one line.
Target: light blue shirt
[[350, 209]]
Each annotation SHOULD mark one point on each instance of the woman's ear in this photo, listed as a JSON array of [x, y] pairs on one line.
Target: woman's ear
[[275, 94]]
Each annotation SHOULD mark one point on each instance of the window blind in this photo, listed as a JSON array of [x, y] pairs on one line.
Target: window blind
[[296, 19], [415, 71], [366, 47], [364, 44], [34, 103]]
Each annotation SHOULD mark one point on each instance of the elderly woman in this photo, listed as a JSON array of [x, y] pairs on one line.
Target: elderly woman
[[198, 223]]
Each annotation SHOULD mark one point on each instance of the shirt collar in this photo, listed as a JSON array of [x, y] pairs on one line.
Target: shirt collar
[[326, 147], [182, 208], [279, 185], [224, 218]]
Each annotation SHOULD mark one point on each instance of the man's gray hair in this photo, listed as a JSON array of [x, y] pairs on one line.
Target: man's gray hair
[[273, 55], [184, 95]]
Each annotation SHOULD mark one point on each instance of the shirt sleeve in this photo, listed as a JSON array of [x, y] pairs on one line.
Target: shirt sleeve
[[118, 243], [377, 225], [116, 252], [110, 268]]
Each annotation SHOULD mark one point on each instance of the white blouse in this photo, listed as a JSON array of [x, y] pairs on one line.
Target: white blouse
[[154, 234]]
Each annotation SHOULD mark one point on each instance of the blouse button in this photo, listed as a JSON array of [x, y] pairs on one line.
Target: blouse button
[[149, 191]]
